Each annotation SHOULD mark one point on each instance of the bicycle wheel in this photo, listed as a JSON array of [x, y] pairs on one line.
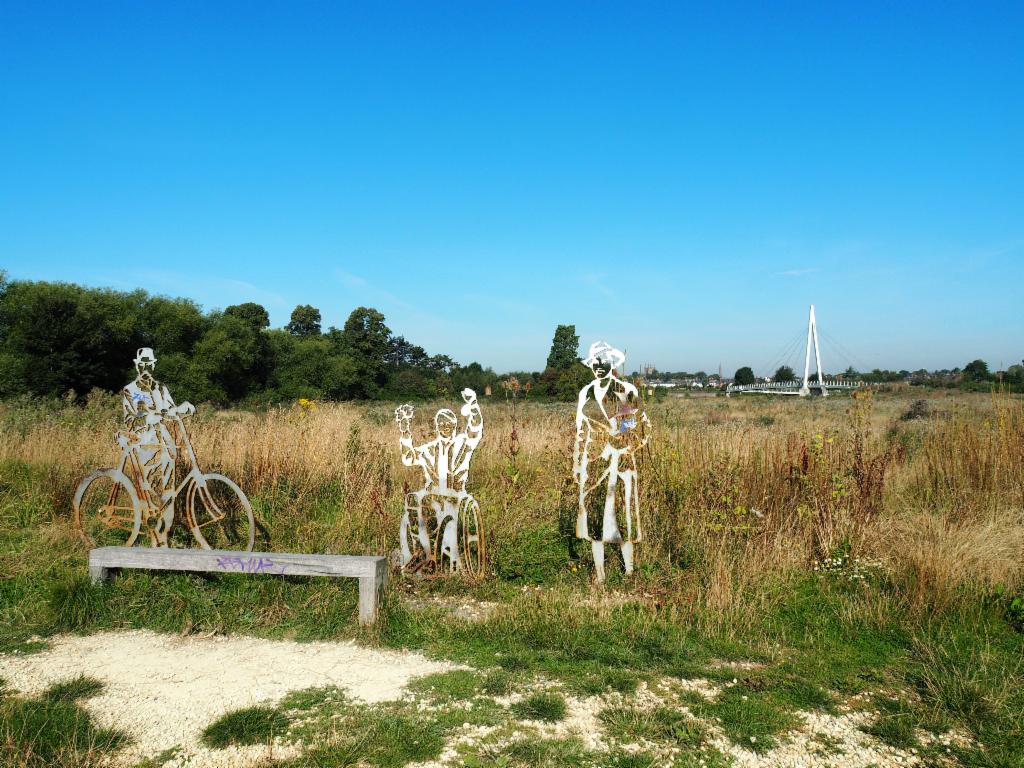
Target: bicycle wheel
[[219, 515], [106, 509], [446, 546], [471, 538]]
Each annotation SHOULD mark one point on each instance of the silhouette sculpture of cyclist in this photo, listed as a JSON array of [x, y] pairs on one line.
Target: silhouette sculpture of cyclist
[[146, 404]]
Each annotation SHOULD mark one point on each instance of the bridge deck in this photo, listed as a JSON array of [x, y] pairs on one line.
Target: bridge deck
[[791, 388]]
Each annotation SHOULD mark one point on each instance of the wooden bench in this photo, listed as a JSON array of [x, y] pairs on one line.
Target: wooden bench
[[371, 571]]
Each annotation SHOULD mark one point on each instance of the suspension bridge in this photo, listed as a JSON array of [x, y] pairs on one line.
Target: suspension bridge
[[819, 384]]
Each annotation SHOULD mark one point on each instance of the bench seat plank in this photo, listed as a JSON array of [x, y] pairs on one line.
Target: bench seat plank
[[370, 570]]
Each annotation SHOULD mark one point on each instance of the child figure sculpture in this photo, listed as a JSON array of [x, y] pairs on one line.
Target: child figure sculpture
[[441, 525], [609, 431]]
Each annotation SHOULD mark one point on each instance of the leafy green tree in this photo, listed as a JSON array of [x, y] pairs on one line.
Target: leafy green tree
[[404, 354], [172, 325], [1015, 374], [442, 364], [744, 375], [227, 363], [254, 314], [412, 383], [571, 381], [305, 321], [366, 341], [474, 376], [58, 337], [303, 367], [977, 370], [564, 348], [784, 374]]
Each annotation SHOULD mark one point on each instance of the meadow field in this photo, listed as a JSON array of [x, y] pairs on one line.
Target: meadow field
[[838, 580]]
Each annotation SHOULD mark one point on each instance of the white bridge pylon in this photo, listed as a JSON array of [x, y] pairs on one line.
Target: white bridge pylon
[[820, 383], [812, 335]]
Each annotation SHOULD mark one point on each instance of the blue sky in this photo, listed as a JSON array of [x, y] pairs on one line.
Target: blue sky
[[681, 180]]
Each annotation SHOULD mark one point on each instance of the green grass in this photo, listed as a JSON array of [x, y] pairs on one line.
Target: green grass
[[662, 724], [459, 684], [75, 602], [385, 735], [346, 732], [498, 683], [543, 753], [23, 645], [617, 680], [158, 760], [389, 741], [53, 731], [532, 556], [547, 707], [751, 720], [531, 752], [251, 725], [81, 687], [895, 723]]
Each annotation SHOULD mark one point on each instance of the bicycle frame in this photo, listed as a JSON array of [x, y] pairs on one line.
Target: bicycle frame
[[135, 472]]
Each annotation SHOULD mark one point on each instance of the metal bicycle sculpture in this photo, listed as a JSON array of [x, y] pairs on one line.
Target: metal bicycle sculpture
[[114, 506], [441, 528], [610, 430]]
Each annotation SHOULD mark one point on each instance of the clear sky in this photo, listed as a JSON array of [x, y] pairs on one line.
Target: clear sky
[[682, 181]]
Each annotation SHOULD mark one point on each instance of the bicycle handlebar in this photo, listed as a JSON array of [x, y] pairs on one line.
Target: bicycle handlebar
[[175, 414]]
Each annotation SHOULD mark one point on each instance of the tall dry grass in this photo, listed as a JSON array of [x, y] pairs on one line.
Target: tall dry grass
[[734, 491]]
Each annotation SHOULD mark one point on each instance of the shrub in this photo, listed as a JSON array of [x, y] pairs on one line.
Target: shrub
[[919, 409]]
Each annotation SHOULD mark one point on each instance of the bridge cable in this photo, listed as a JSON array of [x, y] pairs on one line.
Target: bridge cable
[[844, 353], [785, 356]]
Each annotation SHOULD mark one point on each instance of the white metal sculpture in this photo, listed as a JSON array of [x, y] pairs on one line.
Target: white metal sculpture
[[441, 527], [112, 506], [610, 430]]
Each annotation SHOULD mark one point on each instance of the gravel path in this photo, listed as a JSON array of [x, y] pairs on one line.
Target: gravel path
[[165, 689]]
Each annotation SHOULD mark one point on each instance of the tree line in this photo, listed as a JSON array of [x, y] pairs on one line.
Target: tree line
[[57, 338]]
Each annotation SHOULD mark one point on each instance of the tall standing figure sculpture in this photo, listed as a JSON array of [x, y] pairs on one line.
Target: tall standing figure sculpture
[[441, 526], [112, 506], [610, 430]]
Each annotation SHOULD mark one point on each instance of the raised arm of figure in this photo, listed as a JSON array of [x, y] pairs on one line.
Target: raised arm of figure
[[645, 431], [403, 416], [474, 419]]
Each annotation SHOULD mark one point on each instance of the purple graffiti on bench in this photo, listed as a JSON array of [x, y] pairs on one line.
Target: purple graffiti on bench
[[249, 565]]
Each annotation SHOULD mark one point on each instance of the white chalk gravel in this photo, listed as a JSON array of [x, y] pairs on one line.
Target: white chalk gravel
[[163, 690]]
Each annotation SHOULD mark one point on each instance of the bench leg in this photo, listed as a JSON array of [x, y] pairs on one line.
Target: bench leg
[[369, 590], [98, 574]]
